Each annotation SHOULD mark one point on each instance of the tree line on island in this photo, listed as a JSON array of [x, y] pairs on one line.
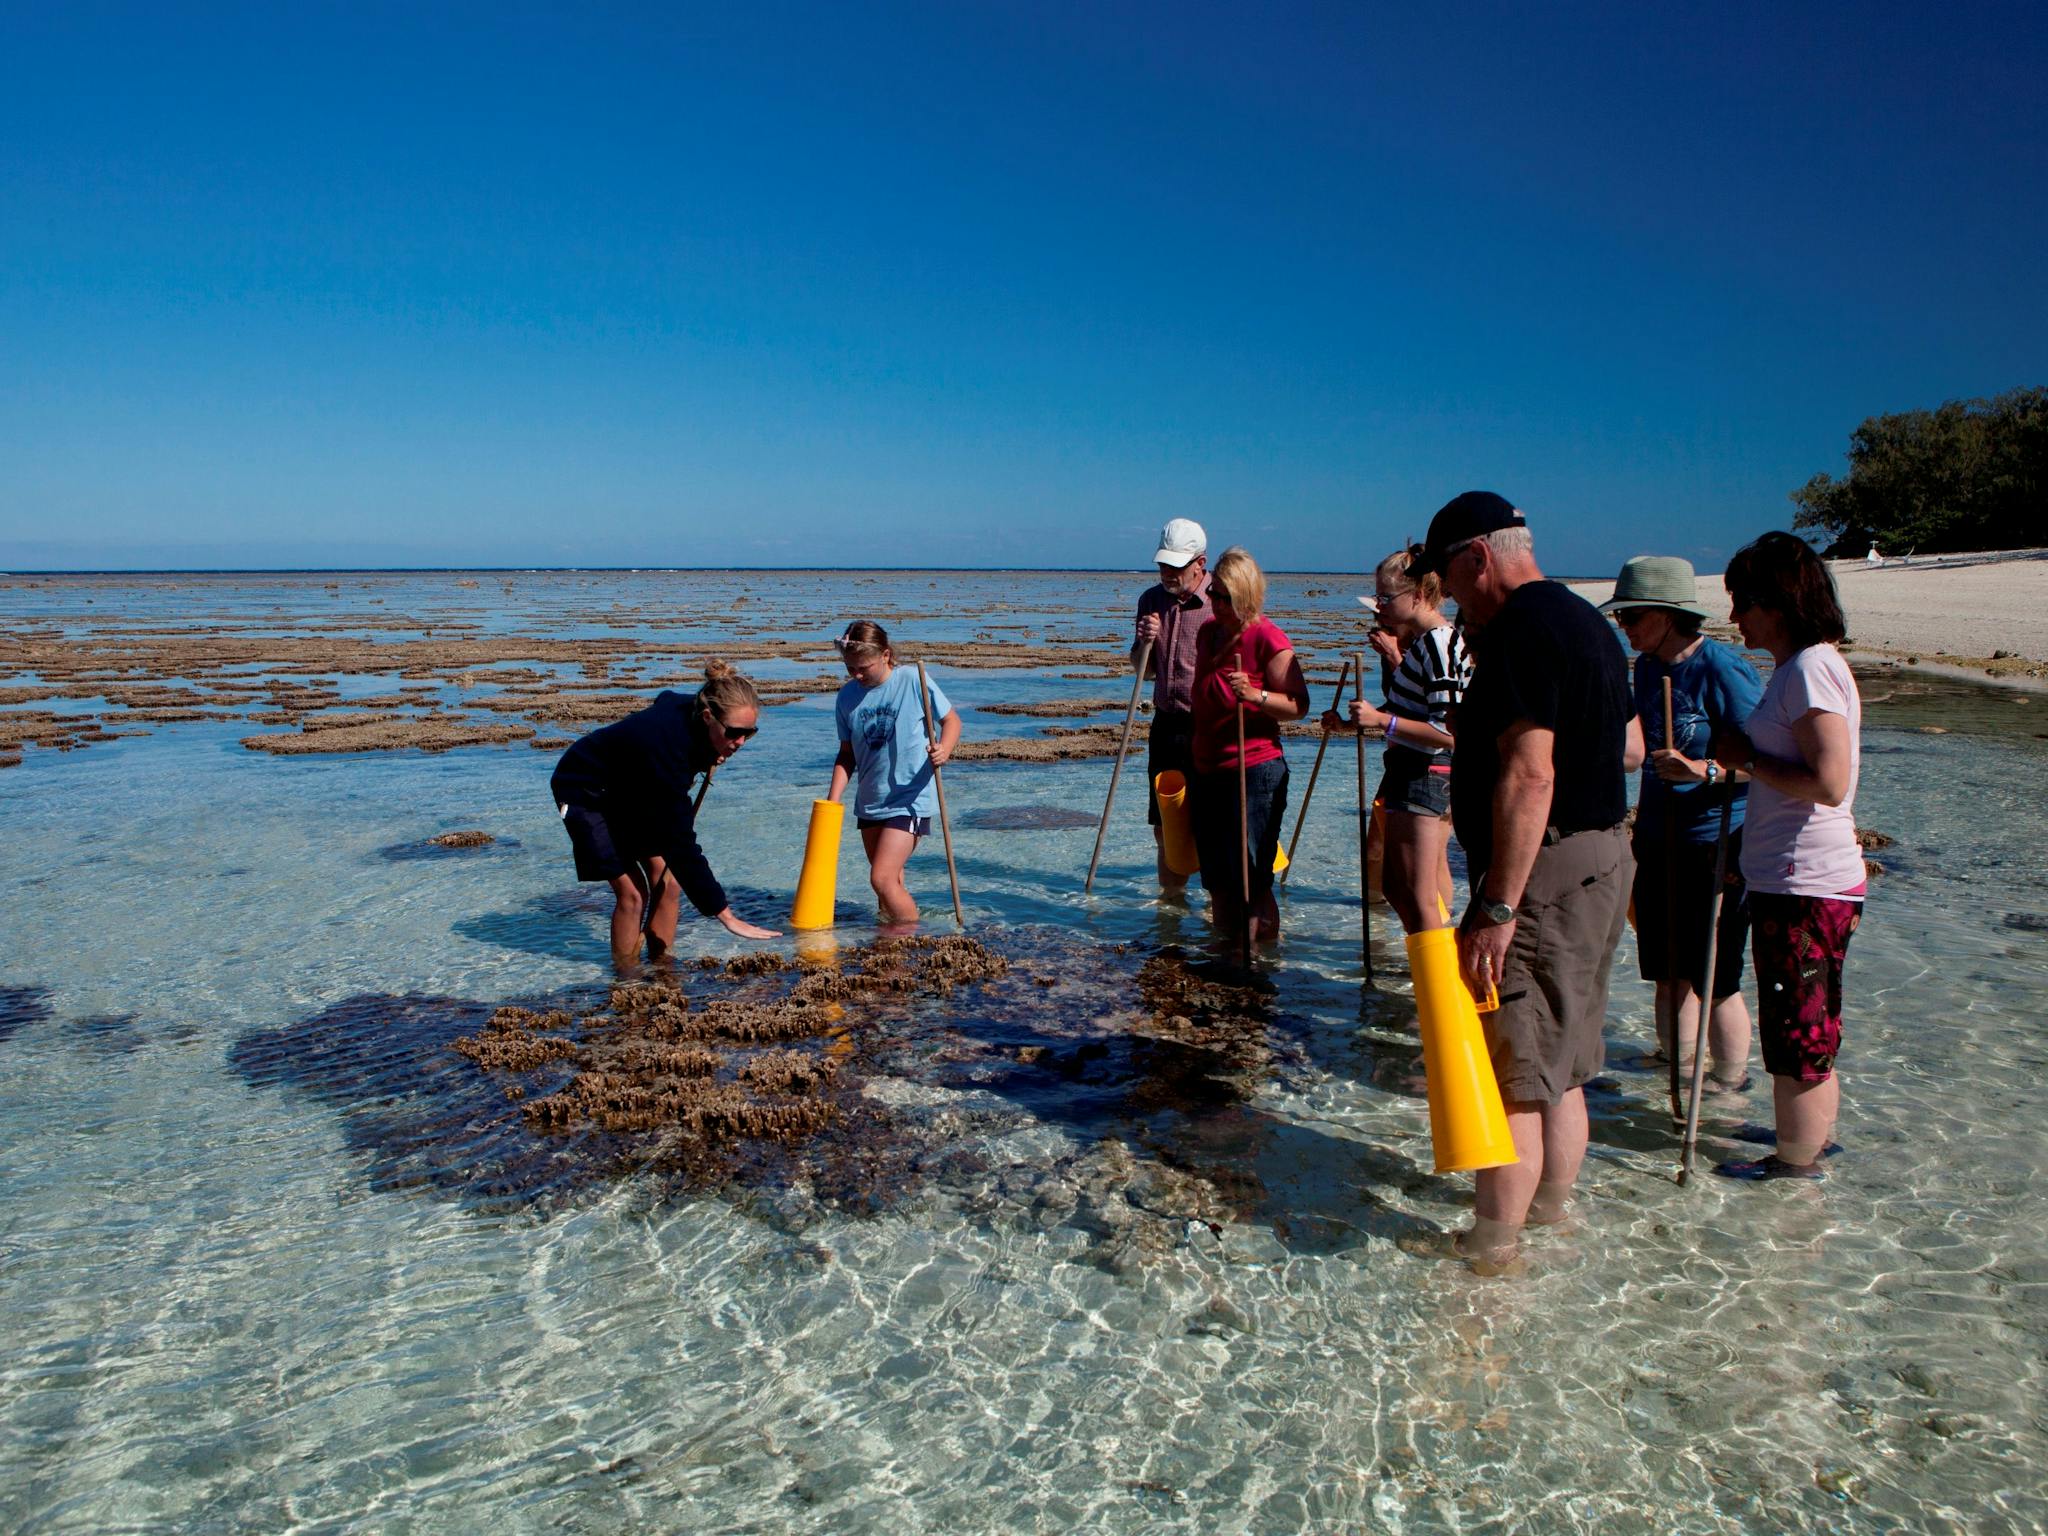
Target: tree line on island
[[1968, 475]]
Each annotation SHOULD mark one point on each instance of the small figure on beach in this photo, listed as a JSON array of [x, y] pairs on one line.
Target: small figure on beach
[[1170, 615], [1546, 737], [623, 793], [885, 753], [1800, 853], [1873, 559], [1677, 830], [1246, 683], [1415, 784]]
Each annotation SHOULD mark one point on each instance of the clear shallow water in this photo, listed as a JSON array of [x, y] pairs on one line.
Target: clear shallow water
[[236, 1297]]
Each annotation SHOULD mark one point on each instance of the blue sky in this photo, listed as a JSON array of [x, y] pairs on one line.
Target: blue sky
[[985, 284]]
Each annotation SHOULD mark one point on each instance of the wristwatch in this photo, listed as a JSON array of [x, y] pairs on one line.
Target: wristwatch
[[1262, 698], [1494, 912], [1713, 772]]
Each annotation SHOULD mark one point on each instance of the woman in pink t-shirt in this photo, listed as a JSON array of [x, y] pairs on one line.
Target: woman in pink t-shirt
[[1800, 855], [1244, 668]]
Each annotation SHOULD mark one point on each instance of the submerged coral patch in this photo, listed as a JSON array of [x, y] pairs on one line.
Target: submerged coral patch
[[848, 1079], [22, 1006], [445, 845], [1026, 818]]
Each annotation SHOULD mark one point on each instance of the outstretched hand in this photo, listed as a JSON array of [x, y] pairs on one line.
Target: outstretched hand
[[742, 929]]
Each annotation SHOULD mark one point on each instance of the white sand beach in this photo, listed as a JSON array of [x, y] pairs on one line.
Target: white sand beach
[[1983, 615]]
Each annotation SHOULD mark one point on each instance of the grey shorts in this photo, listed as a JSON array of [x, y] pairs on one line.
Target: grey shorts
[[1545, 1038]]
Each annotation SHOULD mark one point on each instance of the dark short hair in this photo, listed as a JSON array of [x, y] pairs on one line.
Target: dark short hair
[[1687, 624], [1780, 571]]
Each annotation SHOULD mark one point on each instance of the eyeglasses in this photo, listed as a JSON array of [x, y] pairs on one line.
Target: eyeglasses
[[734, 732], [1384, 598], [1456, 550], [1629, 617]]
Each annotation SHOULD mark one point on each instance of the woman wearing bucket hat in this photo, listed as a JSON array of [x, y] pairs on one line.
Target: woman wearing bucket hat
[[1713, 689]]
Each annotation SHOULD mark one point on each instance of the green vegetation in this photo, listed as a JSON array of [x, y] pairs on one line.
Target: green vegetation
[[1971, 474]]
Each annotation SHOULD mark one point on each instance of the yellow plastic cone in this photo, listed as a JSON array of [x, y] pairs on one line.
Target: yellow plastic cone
[[817, 888], [1467, 1123], [1174, 835]]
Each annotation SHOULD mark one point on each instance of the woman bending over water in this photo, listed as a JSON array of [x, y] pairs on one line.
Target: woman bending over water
[[623, 793]]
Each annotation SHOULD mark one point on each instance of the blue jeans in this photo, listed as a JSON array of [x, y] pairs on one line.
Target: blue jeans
[[1214, 811]]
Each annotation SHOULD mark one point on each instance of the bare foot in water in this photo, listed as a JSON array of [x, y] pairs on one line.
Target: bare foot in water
[[1489, 1258]]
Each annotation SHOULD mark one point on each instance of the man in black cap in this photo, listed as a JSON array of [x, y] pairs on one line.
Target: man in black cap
[[1547, 737]]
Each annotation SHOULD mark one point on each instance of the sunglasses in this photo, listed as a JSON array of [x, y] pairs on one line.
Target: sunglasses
[[1629, 617], [733, 732]]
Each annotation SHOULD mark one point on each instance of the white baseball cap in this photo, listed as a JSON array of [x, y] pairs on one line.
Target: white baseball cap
[[1180, 541]]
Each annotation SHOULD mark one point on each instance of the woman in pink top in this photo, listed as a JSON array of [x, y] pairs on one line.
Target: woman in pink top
[[1244, 668], [1800, 855]]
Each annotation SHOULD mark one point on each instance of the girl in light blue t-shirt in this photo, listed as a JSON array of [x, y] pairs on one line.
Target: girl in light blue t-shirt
[[885, 753]]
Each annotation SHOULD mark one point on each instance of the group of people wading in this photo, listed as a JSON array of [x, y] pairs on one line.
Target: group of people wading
[[1515, 728]]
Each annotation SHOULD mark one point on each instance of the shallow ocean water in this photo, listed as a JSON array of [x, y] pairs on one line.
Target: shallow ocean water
[[251, 1278]]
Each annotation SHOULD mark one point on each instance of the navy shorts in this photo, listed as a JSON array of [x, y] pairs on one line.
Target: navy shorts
[[1415, 786], [1671, 941], [597, 851], [916, 826]]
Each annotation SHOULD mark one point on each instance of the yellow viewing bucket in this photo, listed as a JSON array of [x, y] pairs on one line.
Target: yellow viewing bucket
[[1467, 1123], [817, 888]]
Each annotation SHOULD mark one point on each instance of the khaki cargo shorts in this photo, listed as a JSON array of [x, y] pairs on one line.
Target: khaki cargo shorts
[[1545, 1038]]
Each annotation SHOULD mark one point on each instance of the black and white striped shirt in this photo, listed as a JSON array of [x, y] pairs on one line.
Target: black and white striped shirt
[[1434, 673]]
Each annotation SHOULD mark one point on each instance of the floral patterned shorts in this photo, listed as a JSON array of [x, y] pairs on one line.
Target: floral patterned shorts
[[1797, 943]]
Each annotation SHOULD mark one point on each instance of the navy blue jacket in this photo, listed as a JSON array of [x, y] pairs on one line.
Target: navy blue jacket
[[636, 773]]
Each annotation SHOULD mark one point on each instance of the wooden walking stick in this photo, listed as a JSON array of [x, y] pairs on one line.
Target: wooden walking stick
[[1671, 915], [1123, 747], [1244, 835], [1321, 747], [703, 789], [931, 738], [1364, 834], [1699, 1050]]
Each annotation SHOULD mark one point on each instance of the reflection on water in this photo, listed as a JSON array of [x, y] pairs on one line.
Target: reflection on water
[[1105, 1243]]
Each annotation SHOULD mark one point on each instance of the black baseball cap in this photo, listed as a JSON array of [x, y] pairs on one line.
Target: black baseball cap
[[1462, 519]]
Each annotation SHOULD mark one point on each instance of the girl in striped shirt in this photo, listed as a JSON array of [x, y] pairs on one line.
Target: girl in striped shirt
[[1415, 790]]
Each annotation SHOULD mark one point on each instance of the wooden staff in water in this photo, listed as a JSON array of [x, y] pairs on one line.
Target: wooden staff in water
[[1671, 927], [1244, 838], [1699, 1050], [1364, 837], [1322, 746], [1122, 750], [931, 736]]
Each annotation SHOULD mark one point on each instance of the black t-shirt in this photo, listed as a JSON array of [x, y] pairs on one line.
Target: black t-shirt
[[1548, 658]]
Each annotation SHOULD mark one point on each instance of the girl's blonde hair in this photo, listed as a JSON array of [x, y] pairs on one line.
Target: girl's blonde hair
[[726, 689], [1238, 574], [1396, 573], [863, 641]]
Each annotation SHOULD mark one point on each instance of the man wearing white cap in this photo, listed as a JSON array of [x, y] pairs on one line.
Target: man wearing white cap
[[1169, 614]]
